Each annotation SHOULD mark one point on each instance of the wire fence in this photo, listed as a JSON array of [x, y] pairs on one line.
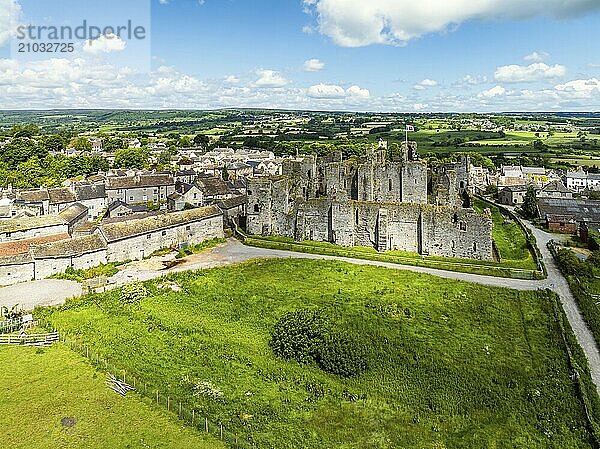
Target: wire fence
[[179, 406]]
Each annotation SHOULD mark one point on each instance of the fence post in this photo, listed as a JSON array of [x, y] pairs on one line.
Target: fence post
[[206, 424], [193, 412], [168, 403], [221, 426], [157, 396]]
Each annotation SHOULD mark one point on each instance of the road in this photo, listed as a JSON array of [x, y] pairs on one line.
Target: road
[[49, 292], [559, 285]]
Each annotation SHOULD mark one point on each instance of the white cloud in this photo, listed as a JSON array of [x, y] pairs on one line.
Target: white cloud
[[107, 43], [10, 12], [326, 91], [473, 80], [496, 91], [536, 56], [86, 82], [332, 91], [358, 92], [270, 79], [422, 85], [580, 88], [313, 65], [531, 73], [356, 23], [232, 79]]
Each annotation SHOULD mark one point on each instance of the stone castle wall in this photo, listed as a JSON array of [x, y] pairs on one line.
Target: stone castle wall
[[374, 203]]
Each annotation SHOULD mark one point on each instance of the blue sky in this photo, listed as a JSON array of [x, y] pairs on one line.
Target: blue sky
[[381, 55]]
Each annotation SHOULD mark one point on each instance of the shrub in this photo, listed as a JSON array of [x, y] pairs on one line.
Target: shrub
[[298, 336], [341, 355], [307, 337], [134, 292]]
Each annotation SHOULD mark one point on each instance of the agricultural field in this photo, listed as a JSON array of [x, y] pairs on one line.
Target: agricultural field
[[421, 362], [52, 398]]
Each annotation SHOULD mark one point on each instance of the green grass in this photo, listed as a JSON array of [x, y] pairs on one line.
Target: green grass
[[41, 387], [72, 274], [451, 364], [510, 239]]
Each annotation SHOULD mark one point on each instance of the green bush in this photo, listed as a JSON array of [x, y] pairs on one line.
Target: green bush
[[570, 264], [307, 337], [341, 355], [133, 293], [298, 336]]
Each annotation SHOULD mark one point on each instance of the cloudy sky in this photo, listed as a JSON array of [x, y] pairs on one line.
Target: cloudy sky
[[376, 55]]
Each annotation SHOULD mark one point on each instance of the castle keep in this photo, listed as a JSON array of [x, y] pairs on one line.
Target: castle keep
[[372, 202]]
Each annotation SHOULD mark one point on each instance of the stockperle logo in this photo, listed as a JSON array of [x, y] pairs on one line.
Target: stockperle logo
[[112, 30]]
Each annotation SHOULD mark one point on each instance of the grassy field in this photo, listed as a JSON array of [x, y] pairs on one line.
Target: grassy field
[[42, 387], [510, 239], [450, 364]]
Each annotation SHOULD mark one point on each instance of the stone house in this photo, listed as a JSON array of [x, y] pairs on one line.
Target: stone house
[[59, 199], [32, 227], [555, 189], [140, 188], [92, 196], [234, 209], [119, 209], [186, 194], [36, 199], [80, 253], [213, 189], [512, 195], [136, 239]]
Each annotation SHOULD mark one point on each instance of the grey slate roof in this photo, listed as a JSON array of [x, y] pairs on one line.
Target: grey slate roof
[[139, 181], [118, 231], [73, 213], [69, 248], [580, 209], [61, 195], [87, 191]]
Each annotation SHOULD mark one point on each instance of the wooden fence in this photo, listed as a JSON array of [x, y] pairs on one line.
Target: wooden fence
[[29, 340], [9, 326], [181, 407]]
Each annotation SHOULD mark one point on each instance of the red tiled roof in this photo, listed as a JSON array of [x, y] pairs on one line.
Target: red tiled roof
[[22, 246]]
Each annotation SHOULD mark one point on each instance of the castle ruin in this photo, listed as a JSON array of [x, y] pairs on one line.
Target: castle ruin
[[374, 202]]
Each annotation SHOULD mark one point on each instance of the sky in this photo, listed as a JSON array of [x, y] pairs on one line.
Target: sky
[[343, 55]]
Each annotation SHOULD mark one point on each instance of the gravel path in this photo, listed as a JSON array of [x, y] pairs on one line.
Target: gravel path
[[49, 292], [560, 286]]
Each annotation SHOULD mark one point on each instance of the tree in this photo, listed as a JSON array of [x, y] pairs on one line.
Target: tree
[[529, 208], [540, 146], [20, 150], [54, 143], [201, 140], [29, 131], [225, 174], [131, 158], [82, 144]]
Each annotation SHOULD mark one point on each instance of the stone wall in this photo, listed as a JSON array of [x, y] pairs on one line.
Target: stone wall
[[372, 202], [140, 246], [24, 268], [14, 270], [45, 268]]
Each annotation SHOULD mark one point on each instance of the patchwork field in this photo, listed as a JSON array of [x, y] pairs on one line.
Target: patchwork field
[[52, 398], [448, 364]]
